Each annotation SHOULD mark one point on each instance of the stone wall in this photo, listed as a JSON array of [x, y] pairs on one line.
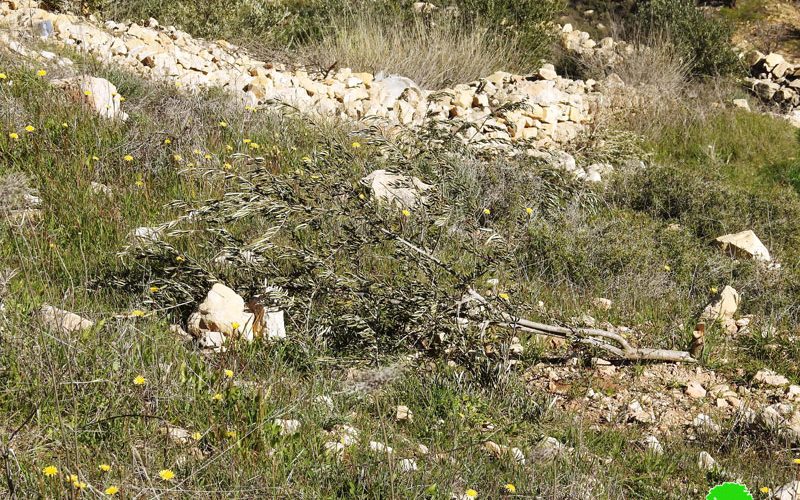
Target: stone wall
[[541, 108]]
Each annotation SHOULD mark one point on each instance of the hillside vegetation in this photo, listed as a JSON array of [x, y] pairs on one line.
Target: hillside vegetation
[[379, 389]]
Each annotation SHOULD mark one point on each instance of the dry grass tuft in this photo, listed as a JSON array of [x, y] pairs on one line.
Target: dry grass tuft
[[433, 53]]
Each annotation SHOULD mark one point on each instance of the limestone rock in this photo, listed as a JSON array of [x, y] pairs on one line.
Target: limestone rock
[[770, 378], [100, 94], [287, 426], [62, 321], [744, 245], [695, 390], [723, 307], [789, 491], [706, 462], [400, 190]]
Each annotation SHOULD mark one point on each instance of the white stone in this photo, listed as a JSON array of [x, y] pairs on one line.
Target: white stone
[[402, 191], [706, 462], [724, 307], [653, 445], [769, 377], [62, 321], [744, 244], [287, 426], [100, 94], [695, 390]]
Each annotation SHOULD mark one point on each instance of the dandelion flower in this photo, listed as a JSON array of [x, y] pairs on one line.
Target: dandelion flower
[[95, 158], [223, 124], [111, 490], [29, 128], [227, 166], [80, 485], [13, 135], [72, 478], [486, 211], [50, 471], [406, 213], [247, 141], [714, 289], [3, 76], [356, 145], [65, 125], [122, 98], [127, 158], [139, 183], [230, 434], [510, 488], [529, 211], [216, 397], [180, 258], [229, 373], [470, 493], [139, 380], [235, 325], [137, 313], [87, 92], [255, 145], [306, 159], [197, 436], [503, 295], [166, 474], [796, 461], [154, 289], [177, 157], [104, 467], [167, 141], [207, 156], [764, 489], [41, 72], [196, 151], [667, 268]]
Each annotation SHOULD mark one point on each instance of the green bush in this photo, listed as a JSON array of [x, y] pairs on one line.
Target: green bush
[[704, 40]]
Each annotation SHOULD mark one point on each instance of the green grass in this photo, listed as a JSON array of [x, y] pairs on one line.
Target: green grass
[[73, 400]]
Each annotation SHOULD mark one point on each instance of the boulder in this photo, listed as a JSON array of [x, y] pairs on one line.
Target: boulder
[[744, 245], [63, 321], [98, 93], [400, 190], [789, 491], [723, 307], [223, 314], [769, 377]]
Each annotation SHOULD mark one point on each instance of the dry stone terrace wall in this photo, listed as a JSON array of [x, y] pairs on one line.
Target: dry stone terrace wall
[[555, 109]]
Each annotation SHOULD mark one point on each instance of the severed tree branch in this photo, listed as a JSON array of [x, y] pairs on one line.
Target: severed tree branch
[[600, 339]]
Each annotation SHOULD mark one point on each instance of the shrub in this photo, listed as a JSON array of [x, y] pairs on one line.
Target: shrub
[[704, 41]]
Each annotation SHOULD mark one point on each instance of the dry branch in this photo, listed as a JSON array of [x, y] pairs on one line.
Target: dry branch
[[600, 339]]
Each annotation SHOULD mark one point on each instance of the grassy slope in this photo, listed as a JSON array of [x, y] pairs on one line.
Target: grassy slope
[[71, 387]]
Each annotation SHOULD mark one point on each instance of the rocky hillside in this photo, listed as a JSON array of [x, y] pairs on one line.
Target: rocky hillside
[[224, 276]]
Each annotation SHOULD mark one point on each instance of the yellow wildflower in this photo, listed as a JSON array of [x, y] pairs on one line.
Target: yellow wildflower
[[228, 147], [510, 488], [503, 295], [166, 474], [137, 313], [247, 141], [486, 211], [227, 166], [196, 151], [356, 145], [72, 478], [104, 467], [667, 268], [65, 125], [223, 124], [305, 159], [80, 485], [50, 471], [177, 84], [529, 211], [764, 489], [235, 325], [13, 135], [216, 397], [87, 92], [139, 183], [29, 128], [139, 380], [471, 493], [229, 373], [406, 213], [154, 289], [127, 158], [167, 141], [3, 76], [207, 156], [796, 461], [41, 72], [177, 157], [197, 436], [254, 145], [111, 490], [122, 98], [714, 289], [230, 434], [180, 258], [95, 158]]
